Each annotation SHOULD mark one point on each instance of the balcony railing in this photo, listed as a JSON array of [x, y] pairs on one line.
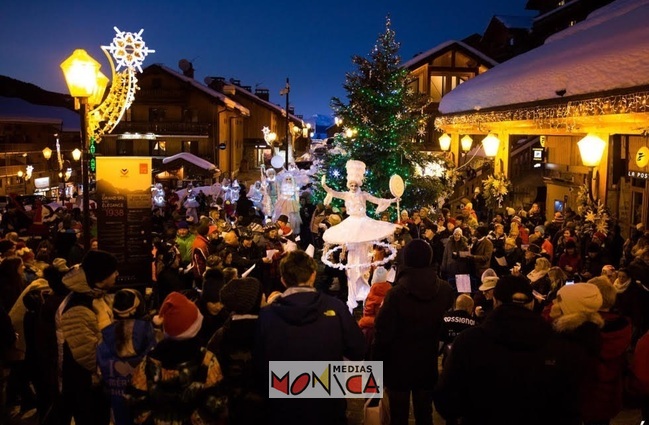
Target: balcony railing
[[163, 128]]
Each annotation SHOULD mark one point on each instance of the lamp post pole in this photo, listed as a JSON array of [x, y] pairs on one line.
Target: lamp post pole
[[287, 90], [85, 180]]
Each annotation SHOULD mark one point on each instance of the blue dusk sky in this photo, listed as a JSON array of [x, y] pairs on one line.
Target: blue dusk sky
[[259, 42]]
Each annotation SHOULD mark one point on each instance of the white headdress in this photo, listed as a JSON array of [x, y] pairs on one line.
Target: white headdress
[[355, 171]]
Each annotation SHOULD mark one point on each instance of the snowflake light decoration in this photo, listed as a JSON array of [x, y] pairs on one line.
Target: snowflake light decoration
[[421, 131], [335, 173], [128, 49], [398, 116]]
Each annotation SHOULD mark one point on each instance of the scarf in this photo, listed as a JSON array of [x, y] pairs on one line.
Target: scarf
[[621, 286]]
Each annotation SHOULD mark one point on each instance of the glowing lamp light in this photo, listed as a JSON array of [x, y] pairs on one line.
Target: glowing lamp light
[[490, 145], [76, 154], [591, 149], [466, 143], [445, 142], [296, 129], [80, 71], [338, 121], [20, 173], [100, 88], [47, 153], [349, 132]]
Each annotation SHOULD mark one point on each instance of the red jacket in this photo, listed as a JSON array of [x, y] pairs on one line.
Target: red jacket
[[200, 252], [373, 303], [603, 399], [641, 364]]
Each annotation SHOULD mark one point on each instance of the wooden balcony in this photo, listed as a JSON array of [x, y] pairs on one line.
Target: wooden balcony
[[163, 128]]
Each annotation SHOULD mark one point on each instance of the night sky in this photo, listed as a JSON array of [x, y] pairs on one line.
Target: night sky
[[259, 42]]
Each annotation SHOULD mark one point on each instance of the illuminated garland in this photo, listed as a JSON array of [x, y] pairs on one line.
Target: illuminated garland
[[554, 117], [340, 266]]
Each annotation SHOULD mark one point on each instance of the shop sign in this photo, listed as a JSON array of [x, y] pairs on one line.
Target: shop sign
[[642, 157], [638, 174]]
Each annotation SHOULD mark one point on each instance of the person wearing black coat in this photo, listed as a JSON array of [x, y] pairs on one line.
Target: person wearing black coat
[[511, 369], [407, 330]]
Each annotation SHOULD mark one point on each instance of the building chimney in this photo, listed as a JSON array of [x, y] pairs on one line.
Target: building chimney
[[262, 94], [248, 88], [215, 83], [291, 110]]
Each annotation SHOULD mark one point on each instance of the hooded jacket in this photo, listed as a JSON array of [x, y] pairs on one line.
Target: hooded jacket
[[373, 303], [301, 325], [510, 370], [80, 318], [408, 326]]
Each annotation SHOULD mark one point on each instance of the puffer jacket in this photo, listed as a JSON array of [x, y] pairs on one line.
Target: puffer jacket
[[79, 321], [373, 303]]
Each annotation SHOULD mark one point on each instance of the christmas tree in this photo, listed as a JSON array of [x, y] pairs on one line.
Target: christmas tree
[[383, 124]]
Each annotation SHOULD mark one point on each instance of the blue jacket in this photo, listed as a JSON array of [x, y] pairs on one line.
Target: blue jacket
[[117, 361]]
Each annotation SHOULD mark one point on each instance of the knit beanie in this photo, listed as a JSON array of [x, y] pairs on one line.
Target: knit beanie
[[380, 275], [579, 298], [417, 254], [128, 303], [98, 265], [213, 282], [6, 245], [179, 317], [60, 264], [242, 296]]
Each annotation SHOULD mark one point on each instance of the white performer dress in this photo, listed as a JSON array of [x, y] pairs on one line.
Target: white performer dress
[[288, 203], [357, 232]]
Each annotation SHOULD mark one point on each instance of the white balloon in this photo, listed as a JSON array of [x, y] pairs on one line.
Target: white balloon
[[277, 161]]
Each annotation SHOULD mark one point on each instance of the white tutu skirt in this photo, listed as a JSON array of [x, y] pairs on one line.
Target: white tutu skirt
[[356, 229]]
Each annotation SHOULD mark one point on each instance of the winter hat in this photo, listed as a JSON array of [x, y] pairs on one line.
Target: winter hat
[[516, 219], [128, 303], [98, 265], [570, 243], [579, 298], [179, 317], [61, 264], [417, 254], [540, 229], [182, 225], [488, 273], [242, 296], [510, 211], [510, 285], [283, 218], [558, 217], [334, 219], [6, 245], [380, 275], [488, 283], [213, 282], [534, 249]]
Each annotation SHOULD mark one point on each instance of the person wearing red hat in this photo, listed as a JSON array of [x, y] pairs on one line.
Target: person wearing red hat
[[179, 381]]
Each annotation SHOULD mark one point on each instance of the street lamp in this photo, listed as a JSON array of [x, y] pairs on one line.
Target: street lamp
[[591, 150], [490, 145], [466, 143], [47, 153], [81, 73], [87, 85]]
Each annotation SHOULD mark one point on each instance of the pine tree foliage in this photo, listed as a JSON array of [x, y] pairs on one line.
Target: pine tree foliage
[[387, 119]]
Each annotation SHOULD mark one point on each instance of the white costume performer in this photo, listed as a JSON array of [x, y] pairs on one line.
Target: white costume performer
[[288, 203], [159, 196], [358, 232]]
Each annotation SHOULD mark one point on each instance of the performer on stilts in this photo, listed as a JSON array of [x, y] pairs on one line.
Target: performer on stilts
[[358, 233]]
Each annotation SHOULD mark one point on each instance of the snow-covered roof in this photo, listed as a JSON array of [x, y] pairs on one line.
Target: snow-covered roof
[[269, 105], [606, 51], [444, 45], [516, 22], [199, 162], [229, 103], [19, 110]]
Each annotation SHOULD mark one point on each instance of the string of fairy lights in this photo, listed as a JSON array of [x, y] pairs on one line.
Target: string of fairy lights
[[563, 116]]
